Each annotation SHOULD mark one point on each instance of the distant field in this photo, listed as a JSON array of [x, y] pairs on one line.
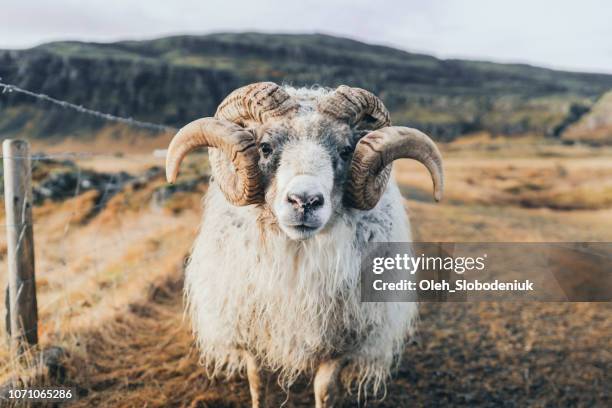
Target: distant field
[[109, 283]]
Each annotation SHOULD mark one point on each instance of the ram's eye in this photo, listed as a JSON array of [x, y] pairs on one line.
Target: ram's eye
[[265, 149], [345, 153]]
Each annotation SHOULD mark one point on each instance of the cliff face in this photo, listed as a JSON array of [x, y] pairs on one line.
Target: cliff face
[[158, 92], [176, 79]]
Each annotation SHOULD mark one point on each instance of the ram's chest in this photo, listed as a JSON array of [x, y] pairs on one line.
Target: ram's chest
[[268, 272], [273, 278], [247, 286]]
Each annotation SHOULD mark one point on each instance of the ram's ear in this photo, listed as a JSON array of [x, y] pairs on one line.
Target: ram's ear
[[358, 134], [368, 122]]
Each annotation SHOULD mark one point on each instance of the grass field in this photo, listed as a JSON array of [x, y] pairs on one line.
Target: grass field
[[109, 279]]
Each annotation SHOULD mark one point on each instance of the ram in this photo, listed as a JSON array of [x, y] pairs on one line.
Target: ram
[[301, 184]]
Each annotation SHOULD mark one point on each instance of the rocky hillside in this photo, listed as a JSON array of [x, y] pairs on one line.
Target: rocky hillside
[[595, 127], [175, 79]]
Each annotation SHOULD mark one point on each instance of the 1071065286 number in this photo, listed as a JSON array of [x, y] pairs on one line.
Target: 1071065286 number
[[41, 394]]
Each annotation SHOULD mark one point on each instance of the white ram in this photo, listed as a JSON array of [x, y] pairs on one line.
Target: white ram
[[300, 186]]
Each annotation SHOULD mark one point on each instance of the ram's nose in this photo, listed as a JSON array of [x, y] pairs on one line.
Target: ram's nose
[[304, 201], [304, 207]]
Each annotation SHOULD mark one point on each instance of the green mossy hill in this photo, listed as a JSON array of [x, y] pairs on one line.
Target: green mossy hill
[[176, 79]]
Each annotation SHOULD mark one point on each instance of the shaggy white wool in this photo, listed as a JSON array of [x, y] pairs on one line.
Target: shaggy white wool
[[290, 303], [308, 97], [293, 304]]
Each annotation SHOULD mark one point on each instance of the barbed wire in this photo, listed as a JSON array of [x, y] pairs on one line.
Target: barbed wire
[[54, 156], [81, 109], [61, 260], [157, 154]]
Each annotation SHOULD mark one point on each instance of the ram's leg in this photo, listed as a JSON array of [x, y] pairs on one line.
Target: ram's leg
[[327, 386], [258, 382]]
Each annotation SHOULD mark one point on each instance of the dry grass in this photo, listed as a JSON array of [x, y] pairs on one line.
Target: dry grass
[[109, 286], [523, 174], [113, 139], [87, 267]]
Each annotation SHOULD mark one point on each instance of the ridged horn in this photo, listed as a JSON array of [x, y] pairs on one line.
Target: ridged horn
[[233, 154], [371, 164], [242, 186], [360, 108], [258, 102]]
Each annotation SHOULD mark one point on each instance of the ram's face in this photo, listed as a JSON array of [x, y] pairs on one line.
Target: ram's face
[[293, 152], [304, 162]]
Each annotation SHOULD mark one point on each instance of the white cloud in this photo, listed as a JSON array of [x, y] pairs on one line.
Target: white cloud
[[561, 34]]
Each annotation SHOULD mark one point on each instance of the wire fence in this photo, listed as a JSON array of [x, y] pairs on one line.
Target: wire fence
[[75, 249], [8, 88], [78, 108]]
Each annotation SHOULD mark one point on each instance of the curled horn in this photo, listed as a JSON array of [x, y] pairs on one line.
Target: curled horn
[[233, 154], [241, 187], [257, 103], [360, 108], [374, 153], [370, 168]]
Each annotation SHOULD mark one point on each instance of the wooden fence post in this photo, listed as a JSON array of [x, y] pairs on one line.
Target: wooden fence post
[[20, 243]]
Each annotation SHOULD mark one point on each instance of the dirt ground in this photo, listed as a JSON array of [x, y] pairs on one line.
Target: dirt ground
[[484, 354], [110, 284]]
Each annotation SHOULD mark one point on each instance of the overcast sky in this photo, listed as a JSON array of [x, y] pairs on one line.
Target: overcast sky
[[574, 35]]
